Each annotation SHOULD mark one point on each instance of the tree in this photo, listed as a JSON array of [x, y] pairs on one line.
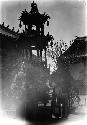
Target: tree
[[55, 49], [62, 77], [30, 82]]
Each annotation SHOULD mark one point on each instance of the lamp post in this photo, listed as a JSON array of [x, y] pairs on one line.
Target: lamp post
[[61, 105]]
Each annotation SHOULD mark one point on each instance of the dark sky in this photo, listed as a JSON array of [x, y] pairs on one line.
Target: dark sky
[[67, 17]]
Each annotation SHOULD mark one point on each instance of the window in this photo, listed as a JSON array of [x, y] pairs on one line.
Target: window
[[33, 27]]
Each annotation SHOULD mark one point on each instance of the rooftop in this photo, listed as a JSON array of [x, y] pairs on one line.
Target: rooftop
[[76, 51]]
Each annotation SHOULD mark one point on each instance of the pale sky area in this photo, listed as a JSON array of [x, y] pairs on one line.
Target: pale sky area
[[67, 17]]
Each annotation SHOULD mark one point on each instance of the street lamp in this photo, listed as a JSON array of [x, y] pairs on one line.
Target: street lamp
[[61, 110]]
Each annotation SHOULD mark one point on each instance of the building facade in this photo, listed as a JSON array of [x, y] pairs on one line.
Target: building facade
[[74, 61]]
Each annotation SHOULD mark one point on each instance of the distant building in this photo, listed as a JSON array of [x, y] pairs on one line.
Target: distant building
[[17, 47], [74, 62], [32, 37]]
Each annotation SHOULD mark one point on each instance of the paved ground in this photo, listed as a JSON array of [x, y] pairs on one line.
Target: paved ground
[[79, 117]]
